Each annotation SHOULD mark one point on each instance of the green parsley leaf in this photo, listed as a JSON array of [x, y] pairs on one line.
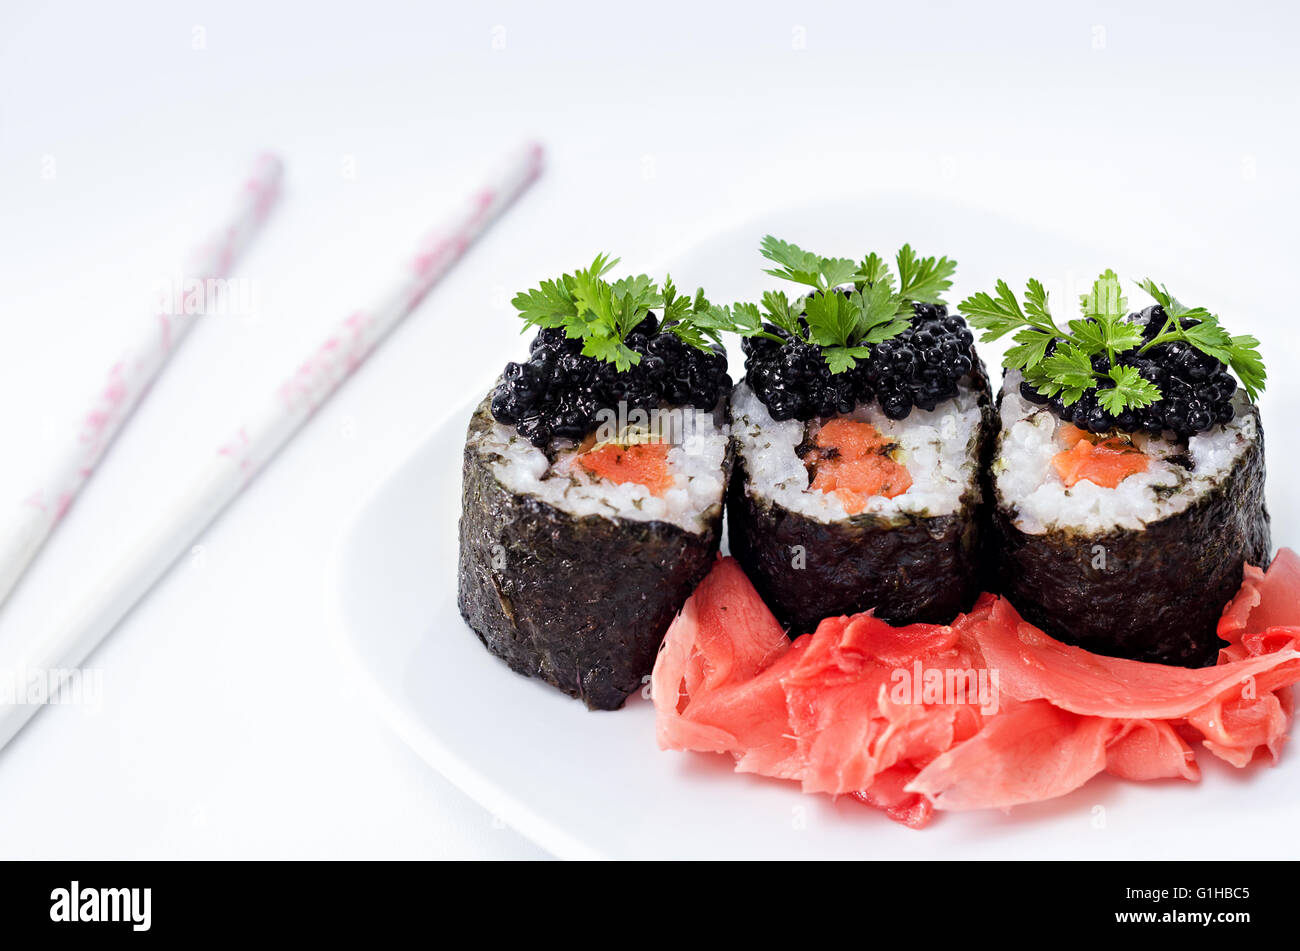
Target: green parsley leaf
[[632, 298], [837, 271], [996, 315], [923, 279], [777, 307], [1122, 336], [746, 318], [1248, 364], [691, 335], [707, 322], [877, 306], [1041, 380], [873, 268], [1070, 365], [831, 317], [804, 267], [587, 323], [840, 359], [592, 294], [1207, 335], [1170, 304], [694, 321], [1036, 302], [550, 305], [790, 256], [1129, 389], [675, 307], [1097, 336], [611, 350], [1210, 338], [1031, 347], [1089, 334], [1106, 303]]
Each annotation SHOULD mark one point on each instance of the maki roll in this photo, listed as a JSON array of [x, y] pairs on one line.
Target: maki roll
[[593, 483], [858, 433], [1129, 472]]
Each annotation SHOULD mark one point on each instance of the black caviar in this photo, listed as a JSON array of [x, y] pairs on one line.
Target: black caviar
[[921, 366], [558, 392], [1196, 389]]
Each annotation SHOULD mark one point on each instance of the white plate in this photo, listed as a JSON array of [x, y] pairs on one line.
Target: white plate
[[585, 784]]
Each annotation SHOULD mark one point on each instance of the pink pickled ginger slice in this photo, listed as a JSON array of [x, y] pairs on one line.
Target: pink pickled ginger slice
[[1034, 666], [704, 680], [827, 711]]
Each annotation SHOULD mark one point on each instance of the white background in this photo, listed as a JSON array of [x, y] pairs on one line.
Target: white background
[[231, 722]]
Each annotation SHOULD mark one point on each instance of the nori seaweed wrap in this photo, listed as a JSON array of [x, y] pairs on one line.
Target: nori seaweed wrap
[[914, 557], [580, 601]]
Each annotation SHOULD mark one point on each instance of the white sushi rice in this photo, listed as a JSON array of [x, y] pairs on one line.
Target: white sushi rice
[[695, 464], [935, 446], [1026, 480]]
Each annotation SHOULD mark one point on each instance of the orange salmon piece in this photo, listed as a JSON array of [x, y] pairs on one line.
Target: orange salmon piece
[[1071, 434], [643, 463], [1106, 463], [850, 462], [850, 437]]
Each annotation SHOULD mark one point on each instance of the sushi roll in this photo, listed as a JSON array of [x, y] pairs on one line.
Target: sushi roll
[[1129, 471], [858, 434], [593, 483]]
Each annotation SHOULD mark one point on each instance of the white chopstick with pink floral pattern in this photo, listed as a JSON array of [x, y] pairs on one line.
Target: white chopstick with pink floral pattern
[[317, 377], [241, 456], [130, 377]]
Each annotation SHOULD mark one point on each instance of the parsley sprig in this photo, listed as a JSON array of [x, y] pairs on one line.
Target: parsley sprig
[[1068, 372], [1240, 352], [603, 313], [844, 325]]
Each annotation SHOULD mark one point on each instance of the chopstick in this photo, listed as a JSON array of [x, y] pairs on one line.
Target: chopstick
[[252, 445], [36, 518]]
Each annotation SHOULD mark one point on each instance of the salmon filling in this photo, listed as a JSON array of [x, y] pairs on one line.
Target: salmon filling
[[850, 459], [643, 463], [1104, 462]]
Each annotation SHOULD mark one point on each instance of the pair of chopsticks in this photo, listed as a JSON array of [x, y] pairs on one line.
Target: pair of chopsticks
[[131, 375], [248, 449]]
